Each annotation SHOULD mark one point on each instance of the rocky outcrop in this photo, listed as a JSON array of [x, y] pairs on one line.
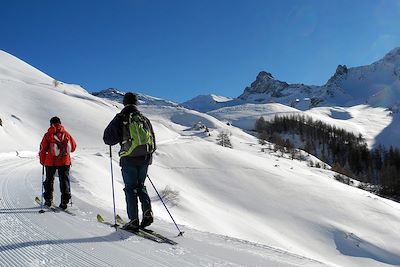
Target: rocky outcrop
[[265, 84]]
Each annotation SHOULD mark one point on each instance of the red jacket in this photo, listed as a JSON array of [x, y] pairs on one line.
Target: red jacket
[[45, 157]]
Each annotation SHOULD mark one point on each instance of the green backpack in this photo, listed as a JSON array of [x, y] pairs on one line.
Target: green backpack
[[137, 139]]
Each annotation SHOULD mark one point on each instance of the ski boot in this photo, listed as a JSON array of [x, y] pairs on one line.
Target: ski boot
[[133, 225], [147, 219]]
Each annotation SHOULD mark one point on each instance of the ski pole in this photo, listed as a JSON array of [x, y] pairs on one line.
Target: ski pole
[[180, 232], [70, 191], [41, 201], [113, 194]]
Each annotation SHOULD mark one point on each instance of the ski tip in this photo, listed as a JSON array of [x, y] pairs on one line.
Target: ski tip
[[119, 219], [37, 198], [99, 218]]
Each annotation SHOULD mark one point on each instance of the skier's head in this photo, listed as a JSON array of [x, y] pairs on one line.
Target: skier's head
[[130, 99], [55, 120]]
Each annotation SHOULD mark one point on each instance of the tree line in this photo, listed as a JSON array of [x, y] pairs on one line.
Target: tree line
[[346, 152]]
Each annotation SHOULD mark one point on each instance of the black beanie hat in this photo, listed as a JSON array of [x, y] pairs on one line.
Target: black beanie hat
[[55, 120], [130, 99]]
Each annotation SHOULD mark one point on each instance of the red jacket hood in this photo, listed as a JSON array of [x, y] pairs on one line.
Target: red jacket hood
[[56, 128]]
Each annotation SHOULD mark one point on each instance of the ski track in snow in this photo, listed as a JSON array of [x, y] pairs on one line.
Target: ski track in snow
[[58, 239], [52, 248]]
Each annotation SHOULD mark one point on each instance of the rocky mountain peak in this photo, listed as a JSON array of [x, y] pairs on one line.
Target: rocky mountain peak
[[341, 72], [263, 75], [109, 92], [341, 69], [393, 56], [264, 84]]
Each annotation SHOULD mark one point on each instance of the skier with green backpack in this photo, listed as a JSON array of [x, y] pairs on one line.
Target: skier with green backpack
[[134, 132]]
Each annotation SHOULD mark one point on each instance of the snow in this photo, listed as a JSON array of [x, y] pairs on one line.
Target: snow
[[377, 125], [219, 98], [371, 122], [245, 116], [204, 103], [116, 95], [377, 84], [238, 207], [13, 69]]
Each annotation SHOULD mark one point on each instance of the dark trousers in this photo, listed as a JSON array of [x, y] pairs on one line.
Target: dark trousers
[[134, 177], [63, 175]]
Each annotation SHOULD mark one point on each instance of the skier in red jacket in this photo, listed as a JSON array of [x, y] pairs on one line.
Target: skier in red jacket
[[55, 149]]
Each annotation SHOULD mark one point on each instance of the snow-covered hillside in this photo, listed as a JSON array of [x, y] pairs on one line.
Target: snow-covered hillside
[[377, 125], [245, 116], [237, 206]]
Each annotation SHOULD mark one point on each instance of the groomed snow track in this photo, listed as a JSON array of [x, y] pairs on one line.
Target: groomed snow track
[[29, 238]]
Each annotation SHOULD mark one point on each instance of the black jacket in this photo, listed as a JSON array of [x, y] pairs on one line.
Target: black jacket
[[113, 135]]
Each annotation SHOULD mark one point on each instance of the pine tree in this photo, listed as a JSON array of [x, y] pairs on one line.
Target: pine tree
[[224, 140]]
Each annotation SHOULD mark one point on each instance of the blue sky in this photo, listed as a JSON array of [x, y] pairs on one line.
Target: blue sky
[[179, 49]]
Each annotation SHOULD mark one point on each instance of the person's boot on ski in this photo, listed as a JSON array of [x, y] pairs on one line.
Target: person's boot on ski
[[132, 225], [147, 218]]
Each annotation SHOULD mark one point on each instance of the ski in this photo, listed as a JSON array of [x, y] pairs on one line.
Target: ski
[[138, 233], [141, 233], [51, 208], [119, 220], [66, 211], [166, 239], [151, 232], [100, 219], [54, 208]]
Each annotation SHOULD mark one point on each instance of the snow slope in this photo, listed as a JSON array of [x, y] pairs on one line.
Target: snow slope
[[245, 116], [32, 239], [204, 103], [238, 207], [377, 84], [377, 125]]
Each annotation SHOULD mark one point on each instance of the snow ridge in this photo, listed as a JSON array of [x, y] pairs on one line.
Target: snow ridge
[[117, 96]]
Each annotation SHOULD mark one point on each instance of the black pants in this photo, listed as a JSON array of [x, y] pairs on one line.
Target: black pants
[[63, 175]]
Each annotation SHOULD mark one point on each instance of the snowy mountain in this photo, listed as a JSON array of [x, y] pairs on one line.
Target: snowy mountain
[[266, 89], [238, 207], [348, 99], [377, 85], [117, 96]]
